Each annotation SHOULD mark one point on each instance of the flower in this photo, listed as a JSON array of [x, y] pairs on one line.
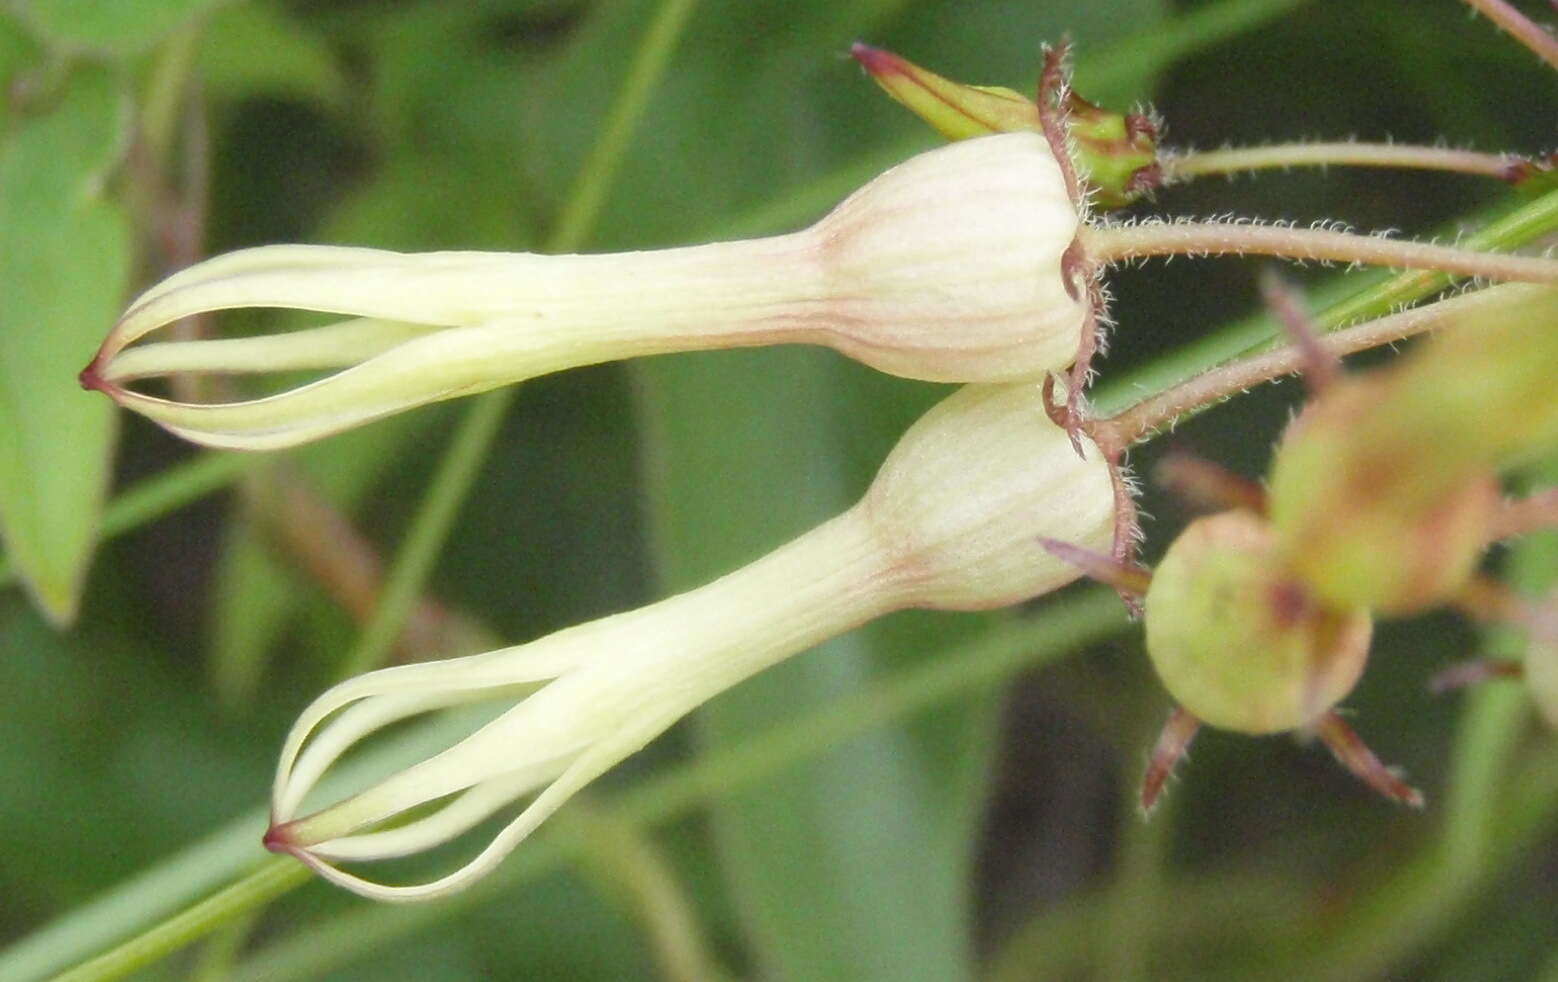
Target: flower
[[947, 268], [953, 521]]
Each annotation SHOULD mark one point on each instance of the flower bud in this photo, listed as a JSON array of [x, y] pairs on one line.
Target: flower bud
[[1238, 641], [1116, 153], [1361, 524], [1384, 490], [945, 268], [954, 110], [953, 520]]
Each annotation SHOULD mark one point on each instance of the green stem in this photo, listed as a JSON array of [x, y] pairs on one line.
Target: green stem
[[1186, 166], [600, 168], [629, 868], [272, 879], [418, 553], [462, 462], [166, 89], [1138, 888], [220, 952]]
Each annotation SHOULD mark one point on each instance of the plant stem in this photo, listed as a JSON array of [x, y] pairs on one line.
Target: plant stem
[[1520, 27], [418, 553], [1146, 417], [1106, 244], [271, 880], [461, 463], [588, 194], [1533, 220], [623, 862], [1187, 166]]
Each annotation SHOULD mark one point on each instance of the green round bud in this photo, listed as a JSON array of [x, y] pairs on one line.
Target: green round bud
[[1370, 515], [1238, 640]]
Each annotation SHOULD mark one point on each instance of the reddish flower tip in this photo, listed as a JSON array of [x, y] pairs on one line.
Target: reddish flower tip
[[278, 839], [91, 377], [876, 61]]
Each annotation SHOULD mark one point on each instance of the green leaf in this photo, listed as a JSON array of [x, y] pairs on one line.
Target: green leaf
[[18, 52], [252, 48], [64, 261], [110, 26]]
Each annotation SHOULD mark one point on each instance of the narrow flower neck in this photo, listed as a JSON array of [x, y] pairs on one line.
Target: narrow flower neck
[[621, 680]]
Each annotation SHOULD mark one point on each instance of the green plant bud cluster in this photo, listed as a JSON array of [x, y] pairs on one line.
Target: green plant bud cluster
[[1238, 640], [1384, 491]]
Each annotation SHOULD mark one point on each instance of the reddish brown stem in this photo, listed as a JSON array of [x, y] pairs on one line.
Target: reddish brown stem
[[1053, 113], [1172, 744], [1355, 755], [1491, 602], [331, 550], [1520, 27], [1474, 672]]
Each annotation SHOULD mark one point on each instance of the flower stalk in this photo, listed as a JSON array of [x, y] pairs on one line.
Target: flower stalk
[[1178, 167], [1112, 243]]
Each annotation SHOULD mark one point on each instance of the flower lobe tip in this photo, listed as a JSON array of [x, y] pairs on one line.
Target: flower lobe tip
[[278, 838], [875, 60]]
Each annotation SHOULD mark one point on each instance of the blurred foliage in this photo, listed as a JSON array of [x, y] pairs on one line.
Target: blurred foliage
[[930, 842]]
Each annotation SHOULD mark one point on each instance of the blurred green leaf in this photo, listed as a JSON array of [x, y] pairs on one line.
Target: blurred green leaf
[[257, 590], [17, 53], [112, 26], [255, 48], [64, 261], [253, 598]]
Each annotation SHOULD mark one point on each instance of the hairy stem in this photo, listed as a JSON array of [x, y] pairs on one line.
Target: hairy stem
[[1107, 244], [1146, 417], [1520, 27], [1233, 160]]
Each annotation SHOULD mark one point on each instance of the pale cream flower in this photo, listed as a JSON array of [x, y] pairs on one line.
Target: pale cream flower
[[953, 521], [947, 268]]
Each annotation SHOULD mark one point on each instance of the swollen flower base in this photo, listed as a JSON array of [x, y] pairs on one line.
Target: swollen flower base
[[953, 521]]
